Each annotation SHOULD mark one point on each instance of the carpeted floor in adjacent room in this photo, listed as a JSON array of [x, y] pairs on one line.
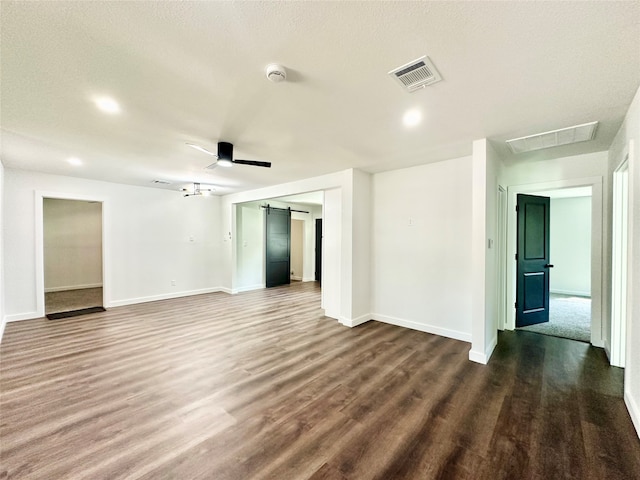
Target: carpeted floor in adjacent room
[[569, 317]]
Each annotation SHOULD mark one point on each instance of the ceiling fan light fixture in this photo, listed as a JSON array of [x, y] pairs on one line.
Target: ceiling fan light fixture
[[225, 162]]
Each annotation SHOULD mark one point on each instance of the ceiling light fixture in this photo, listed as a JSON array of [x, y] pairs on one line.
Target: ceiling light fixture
[[412, 118], [107, 105], [76, 162], [197, 191], [224, 162]]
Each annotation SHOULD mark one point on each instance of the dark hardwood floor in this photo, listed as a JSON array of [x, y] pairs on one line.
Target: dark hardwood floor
[[261, 385]]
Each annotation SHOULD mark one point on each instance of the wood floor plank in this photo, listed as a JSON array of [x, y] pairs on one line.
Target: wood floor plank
[[261, 385]]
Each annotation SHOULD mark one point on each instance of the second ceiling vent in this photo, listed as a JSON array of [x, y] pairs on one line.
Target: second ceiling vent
[[417, 74]]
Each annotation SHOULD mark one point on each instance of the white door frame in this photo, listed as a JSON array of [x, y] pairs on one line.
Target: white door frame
[[501, 250], [620, 308], [597, 248], [39, 238]]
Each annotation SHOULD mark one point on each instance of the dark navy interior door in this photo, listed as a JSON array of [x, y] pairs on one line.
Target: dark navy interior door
[[532, 284]]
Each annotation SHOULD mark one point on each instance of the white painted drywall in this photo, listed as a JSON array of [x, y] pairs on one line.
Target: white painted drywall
[[628, 137], [570, 250], [152, 236], [421, 248], [72, 244], [3, 320], [297, 248], [486, 173]]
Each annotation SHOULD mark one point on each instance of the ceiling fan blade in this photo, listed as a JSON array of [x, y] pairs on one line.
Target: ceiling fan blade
[[212, 166], [253, 163]]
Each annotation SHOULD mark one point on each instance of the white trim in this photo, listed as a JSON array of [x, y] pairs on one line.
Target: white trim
[[483, 357], [597, 247], [501, 254], [3, 323], [296, 278], [355, 321], [607, 349], [443, 332], [308, 279], [72, 287], [620, 235], [164, 296], [39, 239], [570, 292], [17, 317], [634, 411], [227, 290]]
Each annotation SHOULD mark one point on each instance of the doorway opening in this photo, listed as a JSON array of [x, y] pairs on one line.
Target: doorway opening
[[72, 255], [254, 245], [575, 282]]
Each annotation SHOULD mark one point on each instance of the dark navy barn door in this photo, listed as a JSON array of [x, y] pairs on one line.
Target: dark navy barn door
[[278, 246]]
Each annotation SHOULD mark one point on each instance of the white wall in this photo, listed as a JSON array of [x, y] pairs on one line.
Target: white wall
[[297, 248], [151, 237], [628, 138], [570, 250], [2, 283], [72, 244], [421, 249], [250, 246]]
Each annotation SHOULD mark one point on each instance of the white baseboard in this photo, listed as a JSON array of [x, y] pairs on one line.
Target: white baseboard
[[296, 278], [354, 322], [248, 288], [16, 317], [634, 411], [3, 323], [308, 279], [72, 287], [483, 357], [571, 292], [443, 332], [164, 296]]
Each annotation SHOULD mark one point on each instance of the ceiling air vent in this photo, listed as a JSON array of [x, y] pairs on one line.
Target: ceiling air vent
[[417, 74], [554, 138]]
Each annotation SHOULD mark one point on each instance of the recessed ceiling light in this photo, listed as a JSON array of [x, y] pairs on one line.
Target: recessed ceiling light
[[107, 105], [74, 161], [412, 118]]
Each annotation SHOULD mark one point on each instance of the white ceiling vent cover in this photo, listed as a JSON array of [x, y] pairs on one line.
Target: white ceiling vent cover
[[554, 138], [417, 74]]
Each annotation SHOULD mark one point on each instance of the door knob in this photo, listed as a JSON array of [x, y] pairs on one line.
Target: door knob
[[548, 265]]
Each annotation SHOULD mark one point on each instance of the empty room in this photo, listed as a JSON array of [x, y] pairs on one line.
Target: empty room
[[319, 240]]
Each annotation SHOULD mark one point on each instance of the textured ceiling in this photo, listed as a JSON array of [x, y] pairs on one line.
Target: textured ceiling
[[194, 72]]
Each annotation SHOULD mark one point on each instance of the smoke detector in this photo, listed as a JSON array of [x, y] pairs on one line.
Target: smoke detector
[[276, 73]]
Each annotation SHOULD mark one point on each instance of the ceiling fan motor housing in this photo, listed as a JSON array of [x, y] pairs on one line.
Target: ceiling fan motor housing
[[225, 151]]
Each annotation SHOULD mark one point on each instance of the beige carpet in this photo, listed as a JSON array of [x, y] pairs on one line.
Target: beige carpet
[[68, 300]]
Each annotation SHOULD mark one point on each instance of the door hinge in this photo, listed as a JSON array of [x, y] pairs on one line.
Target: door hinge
[[515, 305], [516, 256], [516, 208]]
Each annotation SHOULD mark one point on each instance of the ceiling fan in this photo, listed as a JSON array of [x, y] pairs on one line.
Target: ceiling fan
[[225, 156]]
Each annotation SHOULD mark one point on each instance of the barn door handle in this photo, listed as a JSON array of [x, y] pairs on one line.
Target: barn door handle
[[548, 265]]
